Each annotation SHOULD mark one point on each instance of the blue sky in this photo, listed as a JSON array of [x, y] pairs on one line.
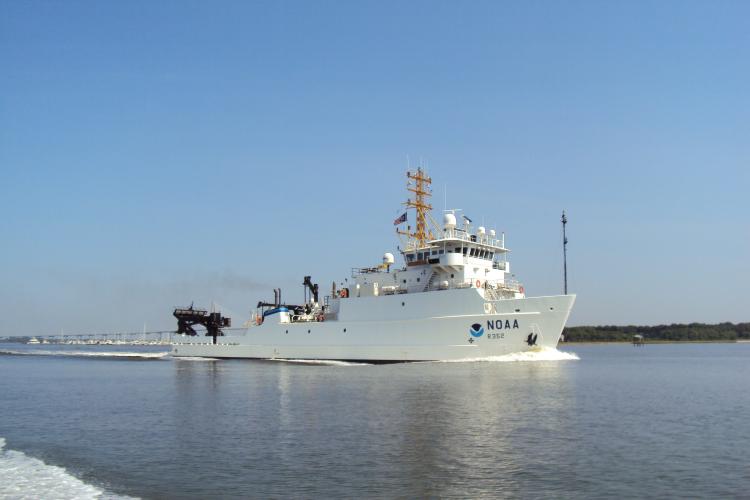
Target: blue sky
[[155, 153]]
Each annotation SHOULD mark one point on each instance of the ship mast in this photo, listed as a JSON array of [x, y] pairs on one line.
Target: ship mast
[[419, 184], [564, 221]]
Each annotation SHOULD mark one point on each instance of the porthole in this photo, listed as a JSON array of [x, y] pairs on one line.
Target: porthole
[[403, 304], [344, 330], [551, 308], [308, 331], [287, 331], [518, 310]]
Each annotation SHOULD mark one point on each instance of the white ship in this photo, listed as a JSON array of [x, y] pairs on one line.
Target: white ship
[[451, 299]]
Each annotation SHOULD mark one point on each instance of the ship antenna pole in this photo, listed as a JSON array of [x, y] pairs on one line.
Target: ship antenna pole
[[564, 221]]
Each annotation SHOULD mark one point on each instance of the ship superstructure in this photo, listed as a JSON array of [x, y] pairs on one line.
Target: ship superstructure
[[451, 299]]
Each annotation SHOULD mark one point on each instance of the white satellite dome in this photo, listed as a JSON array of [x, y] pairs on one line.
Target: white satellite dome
[[480, 230], [388, 258], [449, 221], [492, 233]]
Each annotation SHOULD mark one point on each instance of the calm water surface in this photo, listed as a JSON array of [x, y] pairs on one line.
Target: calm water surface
[[659, 421]]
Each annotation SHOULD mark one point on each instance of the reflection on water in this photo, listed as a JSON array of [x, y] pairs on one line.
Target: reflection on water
[[427, 429]]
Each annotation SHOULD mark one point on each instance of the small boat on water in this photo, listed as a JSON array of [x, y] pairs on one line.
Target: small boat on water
[[33, 340], [452, 298]]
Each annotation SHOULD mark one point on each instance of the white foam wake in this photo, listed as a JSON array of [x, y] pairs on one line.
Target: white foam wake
[[543, 354], [325, 362], [23, 477], [192, 358], [99, 354]]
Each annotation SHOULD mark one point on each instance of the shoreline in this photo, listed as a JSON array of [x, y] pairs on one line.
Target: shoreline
[[647, 342]]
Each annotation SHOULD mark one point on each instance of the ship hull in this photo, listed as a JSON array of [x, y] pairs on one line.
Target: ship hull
[[447, 325]]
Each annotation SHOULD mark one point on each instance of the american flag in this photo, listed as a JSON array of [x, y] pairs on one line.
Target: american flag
[[400, 220]]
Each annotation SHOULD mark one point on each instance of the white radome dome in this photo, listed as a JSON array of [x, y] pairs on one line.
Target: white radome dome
[[388, 258], [492, 233], [449, 221], [480, 230]]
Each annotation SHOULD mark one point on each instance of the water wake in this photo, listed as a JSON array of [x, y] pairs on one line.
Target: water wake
[[84, 354], [23, 477], [322, 362], [193, 358], [543, 354]]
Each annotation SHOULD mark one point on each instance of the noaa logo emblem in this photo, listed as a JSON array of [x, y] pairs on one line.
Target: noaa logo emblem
[[476, 330]]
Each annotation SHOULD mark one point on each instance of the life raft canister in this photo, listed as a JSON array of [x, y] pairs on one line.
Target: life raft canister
[[479, 284], [520, 289]]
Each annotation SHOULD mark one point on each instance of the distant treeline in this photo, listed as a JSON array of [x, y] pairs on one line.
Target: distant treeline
[[693, 331]]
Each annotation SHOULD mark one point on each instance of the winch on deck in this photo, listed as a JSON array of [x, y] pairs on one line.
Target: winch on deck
[[188, 317], [310, 310]]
